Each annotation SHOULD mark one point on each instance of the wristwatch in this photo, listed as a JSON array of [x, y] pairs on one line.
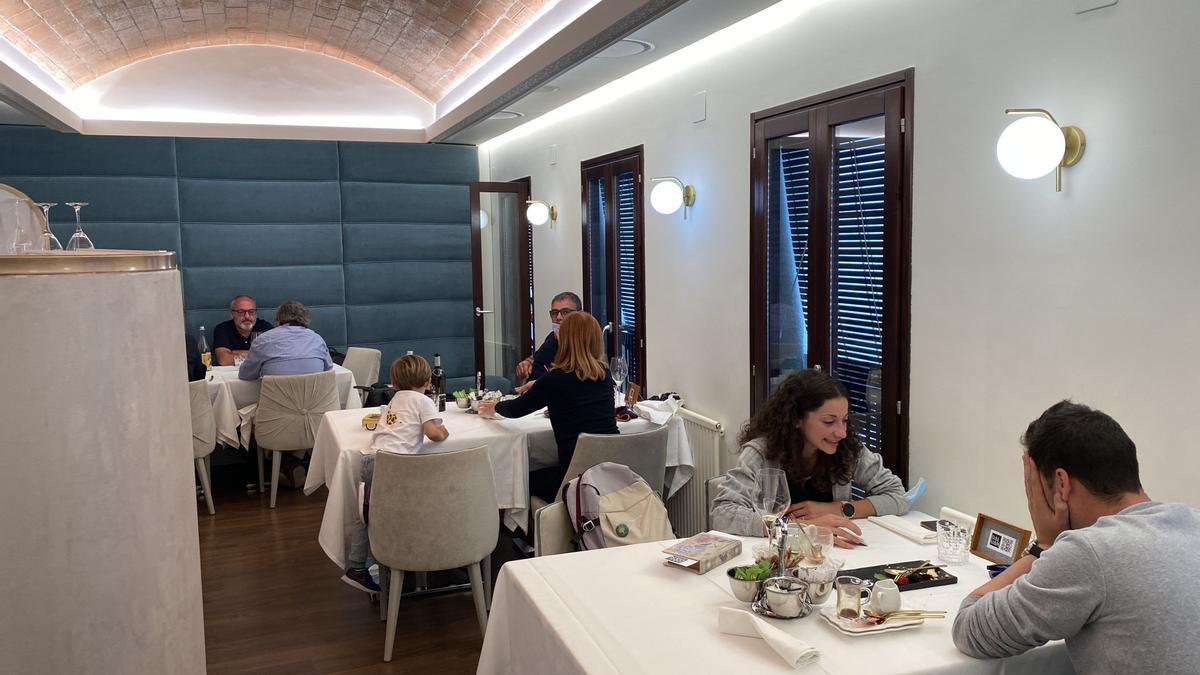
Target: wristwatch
[[1034, 550], [848, 509]]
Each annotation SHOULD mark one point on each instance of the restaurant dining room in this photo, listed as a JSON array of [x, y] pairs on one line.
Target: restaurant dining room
[[598, 336]]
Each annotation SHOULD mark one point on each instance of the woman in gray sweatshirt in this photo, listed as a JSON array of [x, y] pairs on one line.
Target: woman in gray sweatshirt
[[804, 428]]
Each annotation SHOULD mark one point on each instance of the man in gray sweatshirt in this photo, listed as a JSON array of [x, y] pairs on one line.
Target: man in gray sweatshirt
[[1111, 572]]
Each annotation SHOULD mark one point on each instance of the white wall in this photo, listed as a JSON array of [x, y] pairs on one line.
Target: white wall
[[1020, 296]]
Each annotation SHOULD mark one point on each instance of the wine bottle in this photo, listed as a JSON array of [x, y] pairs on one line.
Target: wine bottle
[[205, 354], [438, 378]]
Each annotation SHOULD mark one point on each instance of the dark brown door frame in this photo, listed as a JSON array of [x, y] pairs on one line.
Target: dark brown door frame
[[527, 313], [820, 113], [607, 166], [522, 191]]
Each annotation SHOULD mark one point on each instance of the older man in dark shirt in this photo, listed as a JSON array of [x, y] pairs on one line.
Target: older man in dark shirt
[[232, 338], [536, 365]]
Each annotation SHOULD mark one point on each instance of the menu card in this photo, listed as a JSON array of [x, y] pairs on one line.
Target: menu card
[[703, 552]]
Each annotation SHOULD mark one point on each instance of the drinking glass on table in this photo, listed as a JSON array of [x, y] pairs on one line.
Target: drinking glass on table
[[79, 241], [772, 497], [619, 369], [953, 543]]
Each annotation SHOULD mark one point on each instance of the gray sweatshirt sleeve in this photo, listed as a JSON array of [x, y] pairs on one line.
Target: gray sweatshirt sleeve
[[1063, 589], [884, 489], [733, 508]]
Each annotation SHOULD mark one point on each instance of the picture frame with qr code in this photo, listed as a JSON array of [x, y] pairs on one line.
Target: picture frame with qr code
[[997, 541]]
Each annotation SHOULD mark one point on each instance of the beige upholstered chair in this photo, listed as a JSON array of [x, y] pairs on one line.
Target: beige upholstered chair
[[290, 408], [204, 436], [364, 363], [433, 512], [552, 531], [645, 453]]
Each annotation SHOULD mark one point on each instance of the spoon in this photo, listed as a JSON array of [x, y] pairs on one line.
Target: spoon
[[900, 572]]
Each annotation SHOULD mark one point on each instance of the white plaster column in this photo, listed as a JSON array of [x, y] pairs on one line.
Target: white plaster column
[[99, 554]]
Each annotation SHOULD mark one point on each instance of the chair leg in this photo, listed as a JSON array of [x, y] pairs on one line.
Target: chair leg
[[385, 575], [393, 610], [259, 452], [477, 591], [202, 472], [276, 457], [487, 581]]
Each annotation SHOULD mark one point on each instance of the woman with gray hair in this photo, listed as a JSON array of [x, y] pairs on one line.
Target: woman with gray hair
[[291, 348]]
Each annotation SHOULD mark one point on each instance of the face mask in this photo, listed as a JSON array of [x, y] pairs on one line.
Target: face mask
[[554, 328]]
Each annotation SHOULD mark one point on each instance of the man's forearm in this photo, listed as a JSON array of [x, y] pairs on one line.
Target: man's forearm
[[1015, 571]]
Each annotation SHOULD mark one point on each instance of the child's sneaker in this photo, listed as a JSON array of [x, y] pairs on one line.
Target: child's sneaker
[[361, 579]]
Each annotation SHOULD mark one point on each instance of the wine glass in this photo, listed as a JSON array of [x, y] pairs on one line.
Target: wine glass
[[619, 370], [772, 498], [49, 241], [79, 241]]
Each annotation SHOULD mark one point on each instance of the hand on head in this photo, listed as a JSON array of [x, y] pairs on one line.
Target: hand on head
[[1047, 507]]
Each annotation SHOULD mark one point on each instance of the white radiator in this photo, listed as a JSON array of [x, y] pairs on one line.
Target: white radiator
[[688, 508]]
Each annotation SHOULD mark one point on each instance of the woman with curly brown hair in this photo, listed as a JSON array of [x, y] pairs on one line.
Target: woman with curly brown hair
[[804, 429]]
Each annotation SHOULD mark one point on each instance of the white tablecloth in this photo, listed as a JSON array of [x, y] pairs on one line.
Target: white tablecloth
[[230, 395], [620, 610], [342, 441]]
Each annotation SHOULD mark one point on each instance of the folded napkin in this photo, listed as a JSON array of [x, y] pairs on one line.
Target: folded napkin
[[740, 622], [658, 412], [906, 528], [246, 425]]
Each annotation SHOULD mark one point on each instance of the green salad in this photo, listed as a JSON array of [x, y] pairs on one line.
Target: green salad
[[759, 571]]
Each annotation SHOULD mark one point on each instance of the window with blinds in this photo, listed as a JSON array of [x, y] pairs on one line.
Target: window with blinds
[[829, 277], [613, 266]]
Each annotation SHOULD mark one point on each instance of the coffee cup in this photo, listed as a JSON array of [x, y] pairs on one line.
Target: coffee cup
[[787, 597]]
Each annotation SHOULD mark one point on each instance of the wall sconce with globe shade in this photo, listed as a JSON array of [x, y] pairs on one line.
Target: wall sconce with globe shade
[[1033, 146], [539, 212], [669, 193]]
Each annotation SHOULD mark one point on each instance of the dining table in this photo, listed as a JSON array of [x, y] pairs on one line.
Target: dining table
[[234, 400], [514, 447], [621, 610]]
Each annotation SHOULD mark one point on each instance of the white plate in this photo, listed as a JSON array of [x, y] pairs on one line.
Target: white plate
[[857, 630]]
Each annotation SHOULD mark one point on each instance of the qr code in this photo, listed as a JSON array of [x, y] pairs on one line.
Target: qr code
[[1001, 543]]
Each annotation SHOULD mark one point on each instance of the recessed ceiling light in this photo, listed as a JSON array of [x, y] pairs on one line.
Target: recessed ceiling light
[[506, 115], [548, 89], [623, 48]]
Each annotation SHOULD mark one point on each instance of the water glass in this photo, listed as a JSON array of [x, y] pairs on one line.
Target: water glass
[[953, 542], [822, 543]]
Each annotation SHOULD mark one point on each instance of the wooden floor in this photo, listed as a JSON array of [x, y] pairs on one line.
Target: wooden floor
[[274, 603]]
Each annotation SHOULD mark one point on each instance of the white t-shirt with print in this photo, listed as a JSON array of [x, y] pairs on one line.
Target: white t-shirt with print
[[400, 430]]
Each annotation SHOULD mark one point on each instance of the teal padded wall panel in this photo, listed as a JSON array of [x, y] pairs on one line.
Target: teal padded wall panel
[[141, 236], [405, 202], [33, 151], [407, 281], [238, 201], [123, 199], [408, 163], [261, 244], [214, 287], [366, 242], [421, 320], [257, 159]]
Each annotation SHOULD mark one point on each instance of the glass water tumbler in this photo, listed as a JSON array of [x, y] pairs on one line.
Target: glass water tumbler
[[953, 542]]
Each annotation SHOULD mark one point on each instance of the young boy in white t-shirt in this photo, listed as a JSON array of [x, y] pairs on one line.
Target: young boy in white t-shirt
[[411, 418]]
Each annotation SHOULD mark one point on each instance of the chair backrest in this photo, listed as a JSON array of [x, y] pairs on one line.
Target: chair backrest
[[204, 425], [552, 531], [364, 363], [645, 453], [433, 511], [290, 408]]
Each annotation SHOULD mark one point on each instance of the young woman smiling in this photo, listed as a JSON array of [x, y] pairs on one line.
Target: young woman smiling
[[804, 429]]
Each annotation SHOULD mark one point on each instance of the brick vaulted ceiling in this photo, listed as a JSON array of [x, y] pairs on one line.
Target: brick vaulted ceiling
[[426, 45]]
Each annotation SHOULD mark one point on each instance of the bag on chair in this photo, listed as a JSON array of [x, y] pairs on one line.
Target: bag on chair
[[610, 505]]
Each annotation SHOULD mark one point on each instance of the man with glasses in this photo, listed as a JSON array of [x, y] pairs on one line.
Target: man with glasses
[[536, 365], [232, 338]]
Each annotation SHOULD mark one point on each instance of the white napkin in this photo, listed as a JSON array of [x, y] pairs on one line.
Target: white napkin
[[906, 528], [658, 412], [246, 425], [740, 622]]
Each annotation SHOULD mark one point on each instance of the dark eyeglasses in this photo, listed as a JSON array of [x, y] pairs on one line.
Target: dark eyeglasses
[[561, 313], [245, 312]]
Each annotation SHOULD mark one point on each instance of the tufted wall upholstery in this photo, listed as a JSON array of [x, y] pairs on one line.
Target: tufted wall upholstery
[[373, 237]]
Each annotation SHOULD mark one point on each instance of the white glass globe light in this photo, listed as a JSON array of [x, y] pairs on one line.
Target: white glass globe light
[[666, 197], [484, 219], [1031, 147], [537, 213]]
